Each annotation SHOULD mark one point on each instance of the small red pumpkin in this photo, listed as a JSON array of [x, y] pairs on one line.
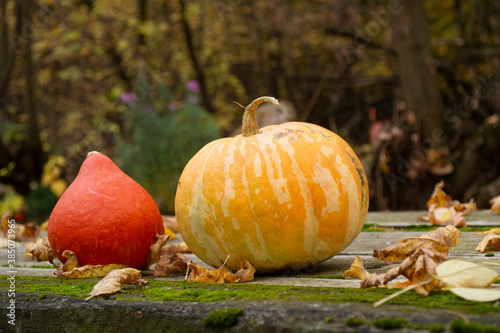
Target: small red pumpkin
[[286, 196], [105, 217]]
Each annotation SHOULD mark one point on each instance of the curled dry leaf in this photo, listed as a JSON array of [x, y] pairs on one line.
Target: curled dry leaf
[[459, 273], [444, 210], [171, 264], [176, 248], [443, 215], [418, 268], [89, 271], [71, 270], [156, 250], [245, 273], [113, 281], [71, 261], [495, 204], [491, 239], [222, 274], [439, 197], [41, 251], [170, 222], [439, 240], [357, 270]]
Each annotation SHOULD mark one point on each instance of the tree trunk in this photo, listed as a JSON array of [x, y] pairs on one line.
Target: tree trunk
[[200, 74], [417, 71], [33, 142]]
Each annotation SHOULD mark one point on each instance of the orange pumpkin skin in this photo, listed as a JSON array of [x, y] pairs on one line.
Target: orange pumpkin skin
[[105, 217], [290, 196]]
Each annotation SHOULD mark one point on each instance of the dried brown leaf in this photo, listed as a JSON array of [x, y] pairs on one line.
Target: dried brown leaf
[[171, 264], [495, 204], [89, 271], [491, 239], [170, 222], [176, 248], [439, 197], [245, 273], [29, 231], [41, 250], [446, 215], [114, 280], [156, 250], [439, 240], [418, 268], [222, 274], [71, 270], [357, 270]]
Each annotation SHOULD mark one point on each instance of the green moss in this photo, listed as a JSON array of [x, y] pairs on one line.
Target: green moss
[[489, 255], [33, 266], [161, 290], [434, 328], [390, 323], [223, 318], [41, 297], [330, 320], [354, 322], [459, 326]]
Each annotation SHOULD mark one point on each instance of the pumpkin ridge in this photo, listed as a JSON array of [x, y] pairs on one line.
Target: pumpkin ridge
[[263, 252]]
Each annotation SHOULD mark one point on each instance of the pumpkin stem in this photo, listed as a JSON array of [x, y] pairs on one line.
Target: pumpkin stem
[[249, 125]]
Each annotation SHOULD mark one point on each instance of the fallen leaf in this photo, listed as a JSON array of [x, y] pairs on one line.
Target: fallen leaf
[[30, 231], [155, 251], [170, 222], [357, 270], [439, 240], [444, 210], [492, 240], [439, 197], [222, 274], [70, 268], [459, 273], [89, 271], [41, 251], [176, 248], [114, 280], [419, 268], [245, 273], [205, 275], [401, 284], [169, 232], [171, 264], [477, 294], [71, 260], [465, 207], [495, 204]]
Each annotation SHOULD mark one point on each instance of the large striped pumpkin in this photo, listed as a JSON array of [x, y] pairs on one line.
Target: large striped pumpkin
[[284, 197]]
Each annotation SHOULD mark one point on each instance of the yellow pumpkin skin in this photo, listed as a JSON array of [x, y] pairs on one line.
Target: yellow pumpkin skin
[[288, 197]]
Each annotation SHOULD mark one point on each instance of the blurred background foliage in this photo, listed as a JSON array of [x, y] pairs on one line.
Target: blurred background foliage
[[413, 86]]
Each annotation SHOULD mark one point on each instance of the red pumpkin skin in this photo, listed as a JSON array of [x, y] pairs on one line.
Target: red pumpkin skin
[[105, 217]]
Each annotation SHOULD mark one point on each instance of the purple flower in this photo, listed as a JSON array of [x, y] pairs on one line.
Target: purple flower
[[193, 86], [128, 98], [172, 107]]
